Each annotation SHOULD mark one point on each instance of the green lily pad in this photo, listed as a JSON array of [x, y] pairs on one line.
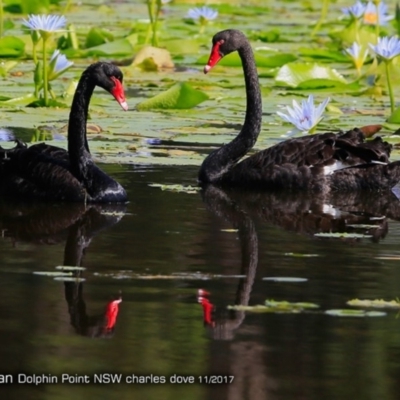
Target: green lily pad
[[354, 313], [179, 96], [285, 279], [342, 235], [70, 268], [288, 304], [324, 54], [11, 46], [75, 279], [395, 117], [53, 273], [177, 188], [268, 61], [374, 303], [151, 58], [5, 67], [97, 37], [295, 74]]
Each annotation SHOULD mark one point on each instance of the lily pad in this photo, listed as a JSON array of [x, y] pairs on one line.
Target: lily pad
[[179, 96], [52, 273], [11, 46], [342, 235], [395, 117], [355, 313], [262, 60], [296, 74], [151, 58], [177, 188], [273, 303], [374, 303], [285, 279], [75, 279], [70, 268]]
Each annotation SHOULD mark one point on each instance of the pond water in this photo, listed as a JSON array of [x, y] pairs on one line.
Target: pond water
[[157, 252]]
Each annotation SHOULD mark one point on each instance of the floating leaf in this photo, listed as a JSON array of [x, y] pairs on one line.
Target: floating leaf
[[52, 273], [374, 303], [300, 255], [177, 188], [268, 61], [295, 74], [284, 279], [11, 46], [153, 59], [342, 235], [120, 47], [355, 313], [70, 268], [179, 96], [5, 67], [69, 279], [97, 36], [395, 117], [273, 303], [325, 54], [272, 306]]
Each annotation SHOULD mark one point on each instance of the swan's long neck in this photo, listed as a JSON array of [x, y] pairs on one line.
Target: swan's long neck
[[220, 161], [78, 147]]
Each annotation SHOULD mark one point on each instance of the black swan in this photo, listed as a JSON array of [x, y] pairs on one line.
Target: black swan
[[321, 162], [49, 173]]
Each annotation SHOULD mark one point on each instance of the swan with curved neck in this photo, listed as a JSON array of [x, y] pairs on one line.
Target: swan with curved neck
[[50, 173], [321, 162]]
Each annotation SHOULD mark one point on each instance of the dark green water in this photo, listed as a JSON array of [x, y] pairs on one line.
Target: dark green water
[[159, 329]]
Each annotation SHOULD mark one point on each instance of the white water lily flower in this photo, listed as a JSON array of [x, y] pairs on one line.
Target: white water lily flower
[[202, 14], [356, 11], [387, 47], [306, 116], [58, 64], [45, 23], [358, 54], [374, 15]]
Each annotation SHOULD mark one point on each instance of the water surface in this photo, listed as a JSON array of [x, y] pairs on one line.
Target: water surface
[[53, 328]]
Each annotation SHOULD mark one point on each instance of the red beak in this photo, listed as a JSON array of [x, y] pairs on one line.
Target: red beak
[[118, 93], [215, 56]]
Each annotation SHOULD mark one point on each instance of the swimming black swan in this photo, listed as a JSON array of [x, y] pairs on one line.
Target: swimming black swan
[[49, 173], [321, 162]]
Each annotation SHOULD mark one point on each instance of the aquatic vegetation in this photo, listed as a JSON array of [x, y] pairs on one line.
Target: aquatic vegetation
[[376, 14], [386, 50], [42, 27], [272, 306], [179, 96], [354, 313], [202, 15], [358, 55], [377, 303], [355, 11], [304, 117]]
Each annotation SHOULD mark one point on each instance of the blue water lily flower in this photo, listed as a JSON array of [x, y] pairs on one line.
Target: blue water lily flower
[[374, 15], [58, 65], [387, 47], [306, 116], [202, 14], [45, 23], [358, 54], [356, 11]]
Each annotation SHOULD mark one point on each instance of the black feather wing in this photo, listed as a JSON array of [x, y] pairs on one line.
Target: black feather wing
[[40, 171], [299, 163]]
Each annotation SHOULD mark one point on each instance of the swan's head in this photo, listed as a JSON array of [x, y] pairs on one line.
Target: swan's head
[[109, 77], [223, 43]]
